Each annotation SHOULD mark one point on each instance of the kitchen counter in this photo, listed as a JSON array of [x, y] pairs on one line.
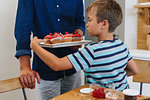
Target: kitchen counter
[[140, 54]]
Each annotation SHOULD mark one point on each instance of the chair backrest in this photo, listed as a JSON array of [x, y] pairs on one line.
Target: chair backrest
[[10, 84], [144, 72]]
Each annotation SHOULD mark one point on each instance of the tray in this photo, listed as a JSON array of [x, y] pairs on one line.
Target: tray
[[65, 44]]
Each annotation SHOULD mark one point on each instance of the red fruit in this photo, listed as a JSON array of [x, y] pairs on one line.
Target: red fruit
[[69, 35], [55, 33], [101, 89], [139, 95], [66, 32], [50, 37], [58, 36], [50, 34], [46, 37], [99, 93], [103, 95], [53, 36], [76, 33]]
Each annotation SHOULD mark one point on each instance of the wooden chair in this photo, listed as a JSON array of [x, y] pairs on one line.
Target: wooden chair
[[144, 74], [11, 84]]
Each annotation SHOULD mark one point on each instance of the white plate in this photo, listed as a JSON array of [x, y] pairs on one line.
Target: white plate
[[86, 90], [65, 44]]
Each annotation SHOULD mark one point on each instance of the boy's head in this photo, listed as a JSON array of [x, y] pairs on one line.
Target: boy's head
[[103, 16]]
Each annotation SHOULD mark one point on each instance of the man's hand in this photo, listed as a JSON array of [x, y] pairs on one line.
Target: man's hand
[[79, 31], [27, 75], [27, 78]]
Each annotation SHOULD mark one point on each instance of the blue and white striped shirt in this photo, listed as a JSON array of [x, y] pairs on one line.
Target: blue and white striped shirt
[[101, 61]]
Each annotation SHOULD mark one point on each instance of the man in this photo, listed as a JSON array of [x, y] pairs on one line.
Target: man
[[42, 17]]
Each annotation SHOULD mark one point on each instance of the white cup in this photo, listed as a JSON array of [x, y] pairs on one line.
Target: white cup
[[130, 94]]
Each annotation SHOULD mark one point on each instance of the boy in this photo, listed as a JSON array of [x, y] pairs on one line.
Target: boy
[[108, 60]]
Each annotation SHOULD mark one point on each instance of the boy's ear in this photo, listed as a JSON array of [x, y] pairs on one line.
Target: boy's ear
[[105, 24]]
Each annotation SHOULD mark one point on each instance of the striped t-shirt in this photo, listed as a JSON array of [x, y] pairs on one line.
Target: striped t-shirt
[[104, 61]]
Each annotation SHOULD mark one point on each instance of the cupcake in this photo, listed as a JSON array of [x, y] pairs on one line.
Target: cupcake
[[77, 37], [67, 37], [47, 39], [56, 39]]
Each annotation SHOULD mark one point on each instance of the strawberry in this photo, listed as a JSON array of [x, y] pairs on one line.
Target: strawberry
[[101, 89], [50, 37], [103, 96], [66, 32], [77, 35], [74, 35], [75, 32], [53, 36], [50, 34], [55, 33], [99, 93], [46, 37], [58, 36], [69, 35]]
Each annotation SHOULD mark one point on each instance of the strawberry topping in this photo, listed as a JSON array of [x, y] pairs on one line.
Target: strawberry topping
[[50, 34], [66, 32], [99, 93]]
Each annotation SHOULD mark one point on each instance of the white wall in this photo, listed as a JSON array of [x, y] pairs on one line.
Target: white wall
[[131, 24], [9, 66], [131, 38]]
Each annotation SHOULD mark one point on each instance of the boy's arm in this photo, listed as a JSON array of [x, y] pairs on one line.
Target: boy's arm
[[131, 68], [55, 63]]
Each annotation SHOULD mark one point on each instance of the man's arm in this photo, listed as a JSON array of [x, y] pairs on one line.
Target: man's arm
[[79, 21], [131, 68], [79, 18], [27, 75], [23, 27], [55, 63]]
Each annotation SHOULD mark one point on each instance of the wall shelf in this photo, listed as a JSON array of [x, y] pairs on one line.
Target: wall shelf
[[142, 6], [143, 24]]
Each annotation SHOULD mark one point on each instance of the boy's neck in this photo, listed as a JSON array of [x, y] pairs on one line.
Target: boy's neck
[[105, 36]]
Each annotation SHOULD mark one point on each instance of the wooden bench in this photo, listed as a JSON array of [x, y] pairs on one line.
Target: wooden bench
[[11, 84]]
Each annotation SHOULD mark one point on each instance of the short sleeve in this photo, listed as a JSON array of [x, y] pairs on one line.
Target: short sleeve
[[129, 56], [128, 53], [82, 59]]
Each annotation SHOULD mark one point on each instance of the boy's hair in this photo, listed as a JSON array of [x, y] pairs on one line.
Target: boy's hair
[[108, 10]]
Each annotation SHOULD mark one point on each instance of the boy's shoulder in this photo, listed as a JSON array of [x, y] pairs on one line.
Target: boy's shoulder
[[92, 45], [106, 44]]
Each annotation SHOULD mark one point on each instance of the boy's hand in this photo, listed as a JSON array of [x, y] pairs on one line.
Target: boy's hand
[[35, 42]]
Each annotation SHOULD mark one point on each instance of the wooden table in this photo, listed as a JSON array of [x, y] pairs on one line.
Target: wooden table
[[76, 95]]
